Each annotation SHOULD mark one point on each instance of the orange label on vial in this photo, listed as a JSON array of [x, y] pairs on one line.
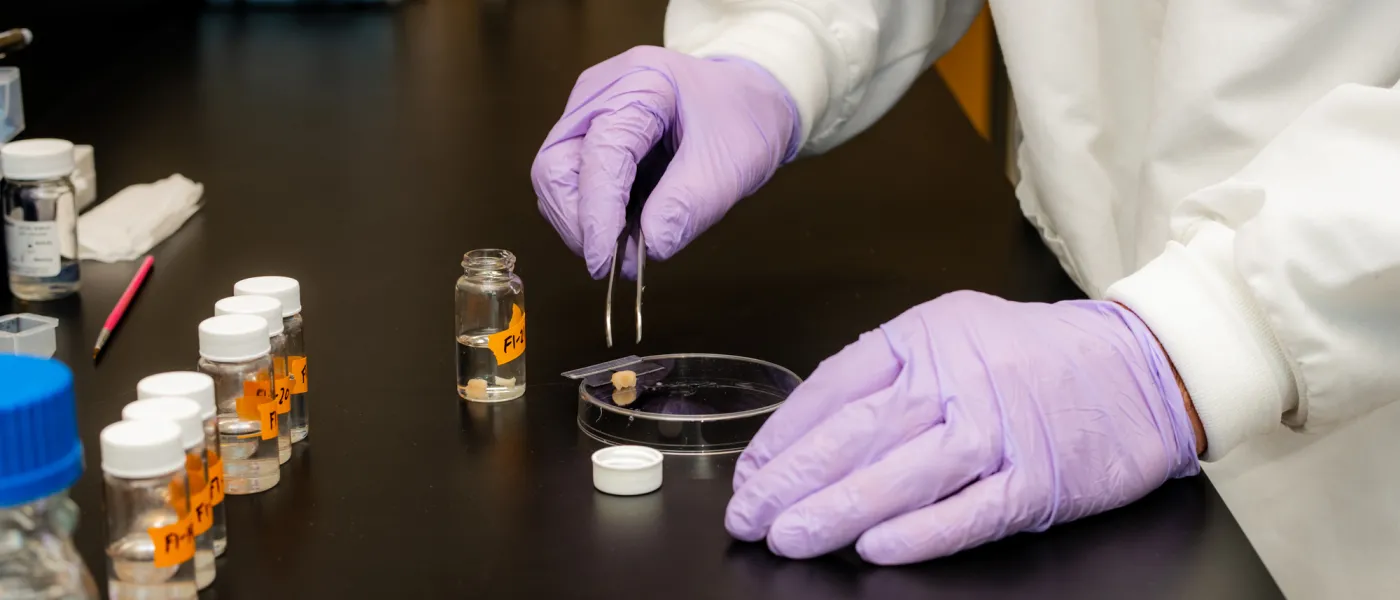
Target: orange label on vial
[[255, 392], [174, 543], [282, 391], [267, 415], [201, 507], [216, 479], [508, 345], [296, 368], [202, 511]]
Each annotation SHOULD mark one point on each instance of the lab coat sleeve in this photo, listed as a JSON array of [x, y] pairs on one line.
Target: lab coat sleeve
[[1279, 299], [845, 62]]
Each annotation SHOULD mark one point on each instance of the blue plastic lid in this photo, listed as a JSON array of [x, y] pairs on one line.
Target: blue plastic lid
[[40, 454]]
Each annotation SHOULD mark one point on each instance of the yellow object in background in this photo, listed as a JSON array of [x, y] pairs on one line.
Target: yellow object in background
[[968, 70]]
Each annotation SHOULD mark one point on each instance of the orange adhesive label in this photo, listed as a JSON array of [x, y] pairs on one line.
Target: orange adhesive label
[[508, 345], [255, 393], [267, 415], [216, 479], [201, 508], [202, 513], [282, 391], [296, 368], [174, 543]]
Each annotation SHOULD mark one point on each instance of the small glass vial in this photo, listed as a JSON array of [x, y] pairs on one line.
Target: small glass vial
[[200, 388], [288, 291], [490, 328], [270, 309], [150, 535], [41, 222], [184, 413], [234, 351], [40, 457]]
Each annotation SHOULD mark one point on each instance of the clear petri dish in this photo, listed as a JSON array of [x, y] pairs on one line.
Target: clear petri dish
[[683, 403]]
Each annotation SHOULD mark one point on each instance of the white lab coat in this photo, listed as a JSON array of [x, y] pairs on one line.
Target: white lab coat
[[1230, 170]]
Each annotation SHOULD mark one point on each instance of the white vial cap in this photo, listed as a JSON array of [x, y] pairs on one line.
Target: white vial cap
[[183, 412], [141, 449], [627, 470], [285, 289], [233, 338], [185, 384], [30, 160], [267, 307]]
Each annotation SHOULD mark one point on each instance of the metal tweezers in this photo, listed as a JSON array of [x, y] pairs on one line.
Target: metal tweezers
[[612, 276]]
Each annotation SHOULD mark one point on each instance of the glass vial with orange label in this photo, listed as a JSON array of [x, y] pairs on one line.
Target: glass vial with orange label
[[184, 413], [234, 350], [490, 328], [150, 535], [288, 291], [270, 309], [200, 388]]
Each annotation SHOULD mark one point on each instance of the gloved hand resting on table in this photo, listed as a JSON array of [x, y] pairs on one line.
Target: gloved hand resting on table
[[965, 420], [729, 123]]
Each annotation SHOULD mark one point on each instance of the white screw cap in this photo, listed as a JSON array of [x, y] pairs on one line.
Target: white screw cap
[[185, 384], [31, 160], [285, 289], [183, 412], [142, 449], [233, 338], [627, 470], [267, 307]]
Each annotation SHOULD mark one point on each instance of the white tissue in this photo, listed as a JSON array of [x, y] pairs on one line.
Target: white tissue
[[137, 218]]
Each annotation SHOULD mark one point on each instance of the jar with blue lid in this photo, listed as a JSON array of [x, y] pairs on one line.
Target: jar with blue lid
[[40, 458]]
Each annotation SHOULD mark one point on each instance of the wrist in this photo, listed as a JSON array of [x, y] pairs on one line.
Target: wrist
[[1216, 336], [1198, 430]]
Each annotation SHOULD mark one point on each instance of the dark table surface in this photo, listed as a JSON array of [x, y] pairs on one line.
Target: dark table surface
[[364, 152]]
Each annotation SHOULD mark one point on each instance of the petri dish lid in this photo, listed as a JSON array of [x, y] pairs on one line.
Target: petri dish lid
[[682, 403]]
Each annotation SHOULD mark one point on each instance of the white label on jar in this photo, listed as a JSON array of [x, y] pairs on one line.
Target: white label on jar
[[33, 248]]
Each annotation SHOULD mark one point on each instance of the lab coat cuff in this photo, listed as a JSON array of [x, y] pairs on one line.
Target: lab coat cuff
[[1217, 338], [783, 45]]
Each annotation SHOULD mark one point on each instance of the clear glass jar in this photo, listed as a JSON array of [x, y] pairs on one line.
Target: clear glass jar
[[296, 366], [140, 512], [41, 220], [249, 452], [37, 556], [200, 388], [490, 334]]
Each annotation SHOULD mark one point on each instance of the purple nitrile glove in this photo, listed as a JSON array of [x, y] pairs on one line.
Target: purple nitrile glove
[[729, 123], [962, 421]]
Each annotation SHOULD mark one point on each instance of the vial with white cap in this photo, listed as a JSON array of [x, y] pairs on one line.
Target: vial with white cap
[[288, 291], [40, 457], [150, 539], [270, 309], [200, 388], [41, 222], [234, 351], [184, 413]]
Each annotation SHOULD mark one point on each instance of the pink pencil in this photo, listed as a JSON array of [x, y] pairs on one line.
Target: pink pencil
[[119, 310]]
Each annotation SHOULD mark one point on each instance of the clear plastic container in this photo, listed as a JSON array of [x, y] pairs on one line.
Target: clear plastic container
[[270, 309], [40, 457], [200, 388], [150, 536], [682, 403], [234, 351], [41, 218], [184, 412], [288, 292], [32, 335], [490, 329]]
